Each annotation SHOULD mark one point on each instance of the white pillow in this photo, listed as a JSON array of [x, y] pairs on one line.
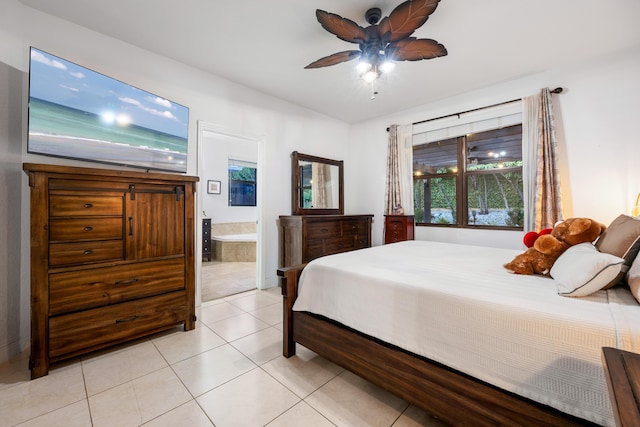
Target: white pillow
[[582, 270], [633, 278]]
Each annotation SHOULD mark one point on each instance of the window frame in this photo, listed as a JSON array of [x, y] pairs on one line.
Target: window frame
[[462, 193], [253, 183]]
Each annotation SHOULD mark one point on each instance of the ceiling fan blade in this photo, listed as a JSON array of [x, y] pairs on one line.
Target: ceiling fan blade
[[345, 29], [406, 18], [413, 49], [334, 59]]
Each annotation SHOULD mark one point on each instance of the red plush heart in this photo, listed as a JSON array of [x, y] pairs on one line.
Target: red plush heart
[[530, 238], [545, 231]]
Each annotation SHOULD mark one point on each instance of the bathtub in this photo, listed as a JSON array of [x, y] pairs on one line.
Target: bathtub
[[234, 247]]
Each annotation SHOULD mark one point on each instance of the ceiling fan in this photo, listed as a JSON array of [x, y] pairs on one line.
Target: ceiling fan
[[383, 41]]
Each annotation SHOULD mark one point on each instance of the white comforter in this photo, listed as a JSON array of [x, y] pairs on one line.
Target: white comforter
[[455, 304]]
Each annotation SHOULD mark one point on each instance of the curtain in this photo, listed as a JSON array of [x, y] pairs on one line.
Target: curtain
[[319, 185], [399, 191], [540, 165]]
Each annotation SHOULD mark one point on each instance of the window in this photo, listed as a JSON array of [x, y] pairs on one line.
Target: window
[[242, 183], [306, 189], [473, 180]]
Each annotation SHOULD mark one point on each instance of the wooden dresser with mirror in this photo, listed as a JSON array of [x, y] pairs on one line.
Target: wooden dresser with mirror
[[317, 225]]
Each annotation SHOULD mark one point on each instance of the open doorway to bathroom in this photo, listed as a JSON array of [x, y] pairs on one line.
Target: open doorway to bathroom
[[228, 170]]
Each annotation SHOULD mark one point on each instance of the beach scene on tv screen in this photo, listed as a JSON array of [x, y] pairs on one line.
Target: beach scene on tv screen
[[75, 112]]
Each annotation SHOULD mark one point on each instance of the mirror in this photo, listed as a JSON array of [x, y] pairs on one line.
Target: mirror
[[317, 185]]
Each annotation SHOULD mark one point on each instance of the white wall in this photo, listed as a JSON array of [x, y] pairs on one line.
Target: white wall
[[283, 128], [598, 144], [216, 151]]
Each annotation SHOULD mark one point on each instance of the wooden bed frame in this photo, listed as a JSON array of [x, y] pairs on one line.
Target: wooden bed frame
[[452, 396]]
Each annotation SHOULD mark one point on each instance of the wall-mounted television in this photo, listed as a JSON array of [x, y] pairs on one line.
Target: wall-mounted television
[[78, 113]]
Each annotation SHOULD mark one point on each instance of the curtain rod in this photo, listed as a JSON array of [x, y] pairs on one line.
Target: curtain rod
[[556, 90]]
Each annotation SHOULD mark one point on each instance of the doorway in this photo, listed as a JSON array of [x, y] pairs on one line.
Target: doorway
[[230, 250]]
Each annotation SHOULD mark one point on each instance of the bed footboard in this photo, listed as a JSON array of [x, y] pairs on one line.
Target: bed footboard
[[289, 283]]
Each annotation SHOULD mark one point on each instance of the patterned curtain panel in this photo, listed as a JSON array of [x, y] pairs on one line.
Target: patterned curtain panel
[[399, 192], [319, 186], [543, 207]]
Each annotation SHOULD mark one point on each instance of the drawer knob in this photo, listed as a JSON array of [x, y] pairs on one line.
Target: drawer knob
[[128, 319], [88, 228], [88, 252], [88, 205]]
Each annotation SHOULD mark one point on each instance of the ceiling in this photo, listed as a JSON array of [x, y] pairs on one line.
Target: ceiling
[[264, 45]]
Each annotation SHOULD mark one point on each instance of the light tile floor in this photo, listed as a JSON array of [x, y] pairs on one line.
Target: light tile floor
[[228, 371], [221, 279]]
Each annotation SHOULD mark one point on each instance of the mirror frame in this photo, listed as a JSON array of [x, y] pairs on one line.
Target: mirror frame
[[296, 209]]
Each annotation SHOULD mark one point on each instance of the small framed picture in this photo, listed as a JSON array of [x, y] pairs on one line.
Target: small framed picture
[[213, 187]]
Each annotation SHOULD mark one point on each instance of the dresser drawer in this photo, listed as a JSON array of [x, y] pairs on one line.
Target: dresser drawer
[[354, 227], [316, 248], [83, 252], [79, 290], [341, 244], [89, 204], [322, 229], [395, 226], [85, 229], [313, 248], [92, 329], [361, 242]]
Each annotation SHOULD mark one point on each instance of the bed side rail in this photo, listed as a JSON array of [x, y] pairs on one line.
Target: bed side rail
[[289, 284]]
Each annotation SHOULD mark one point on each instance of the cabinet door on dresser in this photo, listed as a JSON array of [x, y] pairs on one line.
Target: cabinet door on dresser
[[155, 222], [112, 258]]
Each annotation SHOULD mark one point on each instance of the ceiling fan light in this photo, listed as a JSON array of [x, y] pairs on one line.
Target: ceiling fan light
[[387, 66], [363, 67], [370, 76]]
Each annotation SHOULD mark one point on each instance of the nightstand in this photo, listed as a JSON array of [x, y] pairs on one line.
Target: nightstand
[[622, 370], [398, 228]]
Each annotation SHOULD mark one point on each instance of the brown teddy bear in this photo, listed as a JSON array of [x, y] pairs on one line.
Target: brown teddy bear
[[546, 249]]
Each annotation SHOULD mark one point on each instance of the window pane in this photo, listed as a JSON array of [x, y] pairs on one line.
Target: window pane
[[495, 149], [495, 199], [242, 185], [242, 193], [435, 200], [436, 157]]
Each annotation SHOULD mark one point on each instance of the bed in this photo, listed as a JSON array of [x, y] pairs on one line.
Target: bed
[[446, 328]]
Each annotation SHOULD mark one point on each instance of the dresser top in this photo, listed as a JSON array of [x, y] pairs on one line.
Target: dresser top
[[111, 173]]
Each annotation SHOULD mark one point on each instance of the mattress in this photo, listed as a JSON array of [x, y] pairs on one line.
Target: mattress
[[455, 304]]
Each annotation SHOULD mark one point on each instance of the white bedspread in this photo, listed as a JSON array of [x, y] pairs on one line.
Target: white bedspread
[[455, 304]]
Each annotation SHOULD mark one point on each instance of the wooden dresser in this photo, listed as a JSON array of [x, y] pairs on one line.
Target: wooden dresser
[[112, 258], [398, 228], [306, 237]]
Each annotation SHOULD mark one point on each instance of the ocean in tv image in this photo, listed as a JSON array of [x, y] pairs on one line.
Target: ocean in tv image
[[78, 113]]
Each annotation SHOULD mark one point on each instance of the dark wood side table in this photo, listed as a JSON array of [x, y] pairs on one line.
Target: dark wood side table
[[398, 228], [622, 370]]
